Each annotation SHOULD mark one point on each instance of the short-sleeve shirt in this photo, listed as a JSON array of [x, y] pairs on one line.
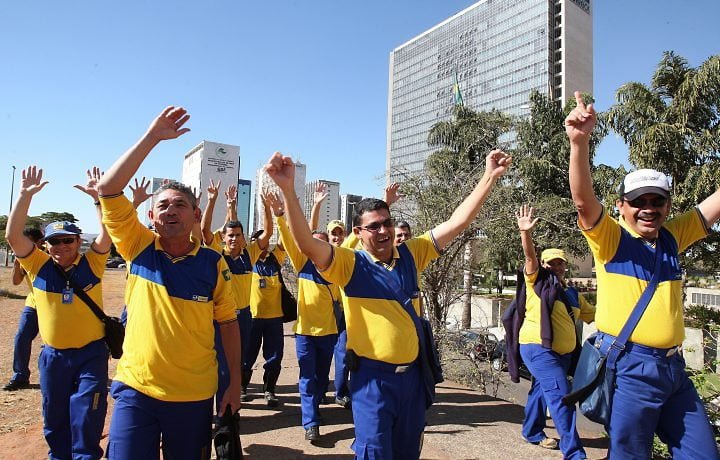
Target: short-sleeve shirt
[[265, 291], [171, 301], [378, 327], [563, 326], [241, 268], [30, 298], [315, 295], [62, 325], [624, 264]]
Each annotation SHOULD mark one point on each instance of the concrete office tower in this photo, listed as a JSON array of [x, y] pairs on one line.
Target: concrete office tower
[[243, 202], [212, 161], [330, 207], [263, 182], [499, 50], [347, 209], [155, 183]]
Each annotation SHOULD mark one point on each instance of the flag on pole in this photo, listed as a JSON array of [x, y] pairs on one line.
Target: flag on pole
[[456, 91]]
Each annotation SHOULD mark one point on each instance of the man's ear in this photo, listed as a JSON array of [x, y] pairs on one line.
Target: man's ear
[[198, 215]]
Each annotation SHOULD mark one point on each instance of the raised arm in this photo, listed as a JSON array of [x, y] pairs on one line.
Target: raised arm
[[320, 194], [264, 238], [496, 163], [140, 192], [710, 208], [231, 203], [206, 221], [392, 194], [526, 224], [579, 125], [281, 170], [167, 125], [102, 242], [31, 184]]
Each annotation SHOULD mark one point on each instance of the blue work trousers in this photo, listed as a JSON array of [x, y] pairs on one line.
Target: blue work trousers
[[653, 394], [388, 411], [73, 382], [268, 333], [26, 333], [139, 422], [244, 319], [314, 354], [549, 385], [342, 387]]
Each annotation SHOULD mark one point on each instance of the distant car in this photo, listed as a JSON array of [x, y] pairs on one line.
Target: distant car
[[115, 262], [477, 344], [499, 361]]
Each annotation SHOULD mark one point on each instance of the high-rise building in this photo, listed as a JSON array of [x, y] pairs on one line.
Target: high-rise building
[[347, 209], [263, 183], [497, 51], [244, 196], [330, 207], [212, 161]]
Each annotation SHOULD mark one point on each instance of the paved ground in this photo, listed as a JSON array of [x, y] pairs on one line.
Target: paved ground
[[463, 424]]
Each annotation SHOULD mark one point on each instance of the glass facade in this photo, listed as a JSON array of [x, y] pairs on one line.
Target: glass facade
[[499, 50]]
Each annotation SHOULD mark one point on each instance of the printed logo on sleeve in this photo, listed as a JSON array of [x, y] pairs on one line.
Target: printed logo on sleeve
[[200, 298]]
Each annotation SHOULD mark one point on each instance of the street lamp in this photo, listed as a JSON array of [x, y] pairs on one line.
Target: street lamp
[[12, 189]]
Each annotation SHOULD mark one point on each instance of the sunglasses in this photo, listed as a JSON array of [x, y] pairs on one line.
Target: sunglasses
[[375, 226], [58, 240], [657, 202]]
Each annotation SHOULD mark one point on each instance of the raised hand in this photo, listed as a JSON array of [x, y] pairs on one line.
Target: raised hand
[[275, 202], [281, 170], [580, 121], [497, 163], [525, 221], [230, 196], [168, 125], [32, 181], [320, 193], [140, 191], [392, 193], [91, 188], [213, 190]]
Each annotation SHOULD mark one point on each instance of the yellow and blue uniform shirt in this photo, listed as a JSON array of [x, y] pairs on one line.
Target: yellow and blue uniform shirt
[[378, 327], [563, 327], [172, 302], [241, 268], [61, 325], [265, 293], [624, 264], [315, 298], [30, 298]]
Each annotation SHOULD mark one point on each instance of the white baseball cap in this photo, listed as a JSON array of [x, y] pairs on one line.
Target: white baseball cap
[[642, 181]]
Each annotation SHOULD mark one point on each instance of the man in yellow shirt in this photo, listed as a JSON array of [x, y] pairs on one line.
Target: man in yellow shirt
[[652, 392], [389, 394], [167, 376]]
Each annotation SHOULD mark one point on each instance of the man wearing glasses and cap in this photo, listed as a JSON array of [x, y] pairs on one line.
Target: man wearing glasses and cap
[[653, 393], [74, 361], [389, 395]]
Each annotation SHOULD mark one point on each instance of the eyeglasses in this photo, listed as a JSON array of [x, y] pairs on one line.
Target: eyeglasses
[[657, 202], [57, 241], [375, 226]]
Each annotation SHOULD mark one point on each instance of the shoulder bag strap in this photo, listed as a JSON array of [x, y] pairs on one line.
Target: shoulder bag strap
[[618, 346], [82, 294]]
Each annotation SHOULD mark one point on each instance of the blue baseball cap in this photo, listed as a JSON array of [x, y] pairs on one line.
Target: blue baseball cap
[[61, 228]]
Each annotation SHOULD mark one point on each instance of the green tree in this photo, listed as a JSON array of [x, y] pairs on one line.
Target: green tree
[[673, 125]]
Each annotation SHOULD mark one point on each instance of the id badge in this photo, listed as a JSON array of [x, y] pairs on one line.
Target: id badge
[[262, 283], [67, 295]]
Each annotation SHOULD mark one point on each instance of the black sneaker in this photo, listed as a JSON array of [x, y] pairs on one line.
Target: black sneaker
[[312, 433], [14, 385], [270, 399], [345, 402]]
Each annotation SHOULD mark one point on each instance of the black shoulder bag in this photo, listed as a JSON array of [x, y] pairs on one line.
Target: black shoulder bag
[[287, 300], [114, 330]]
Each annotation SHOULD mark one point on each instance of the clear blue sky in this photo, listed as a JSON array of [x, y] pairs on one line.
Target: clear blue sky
[[80, 81]]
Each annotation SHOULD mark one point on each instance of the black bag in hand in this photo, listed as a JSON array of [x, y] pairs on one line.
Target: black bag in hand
[[114, 335], [226, 436]]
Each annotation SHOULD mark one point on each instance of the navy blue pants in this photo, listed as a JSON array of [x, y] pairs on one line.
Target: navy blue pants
[[73, 382], [314, 354], [388, 411], [268, 333], [549, 385], [139, 422], [244, 319], [26, 333], [342, 374], [653, 394]]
